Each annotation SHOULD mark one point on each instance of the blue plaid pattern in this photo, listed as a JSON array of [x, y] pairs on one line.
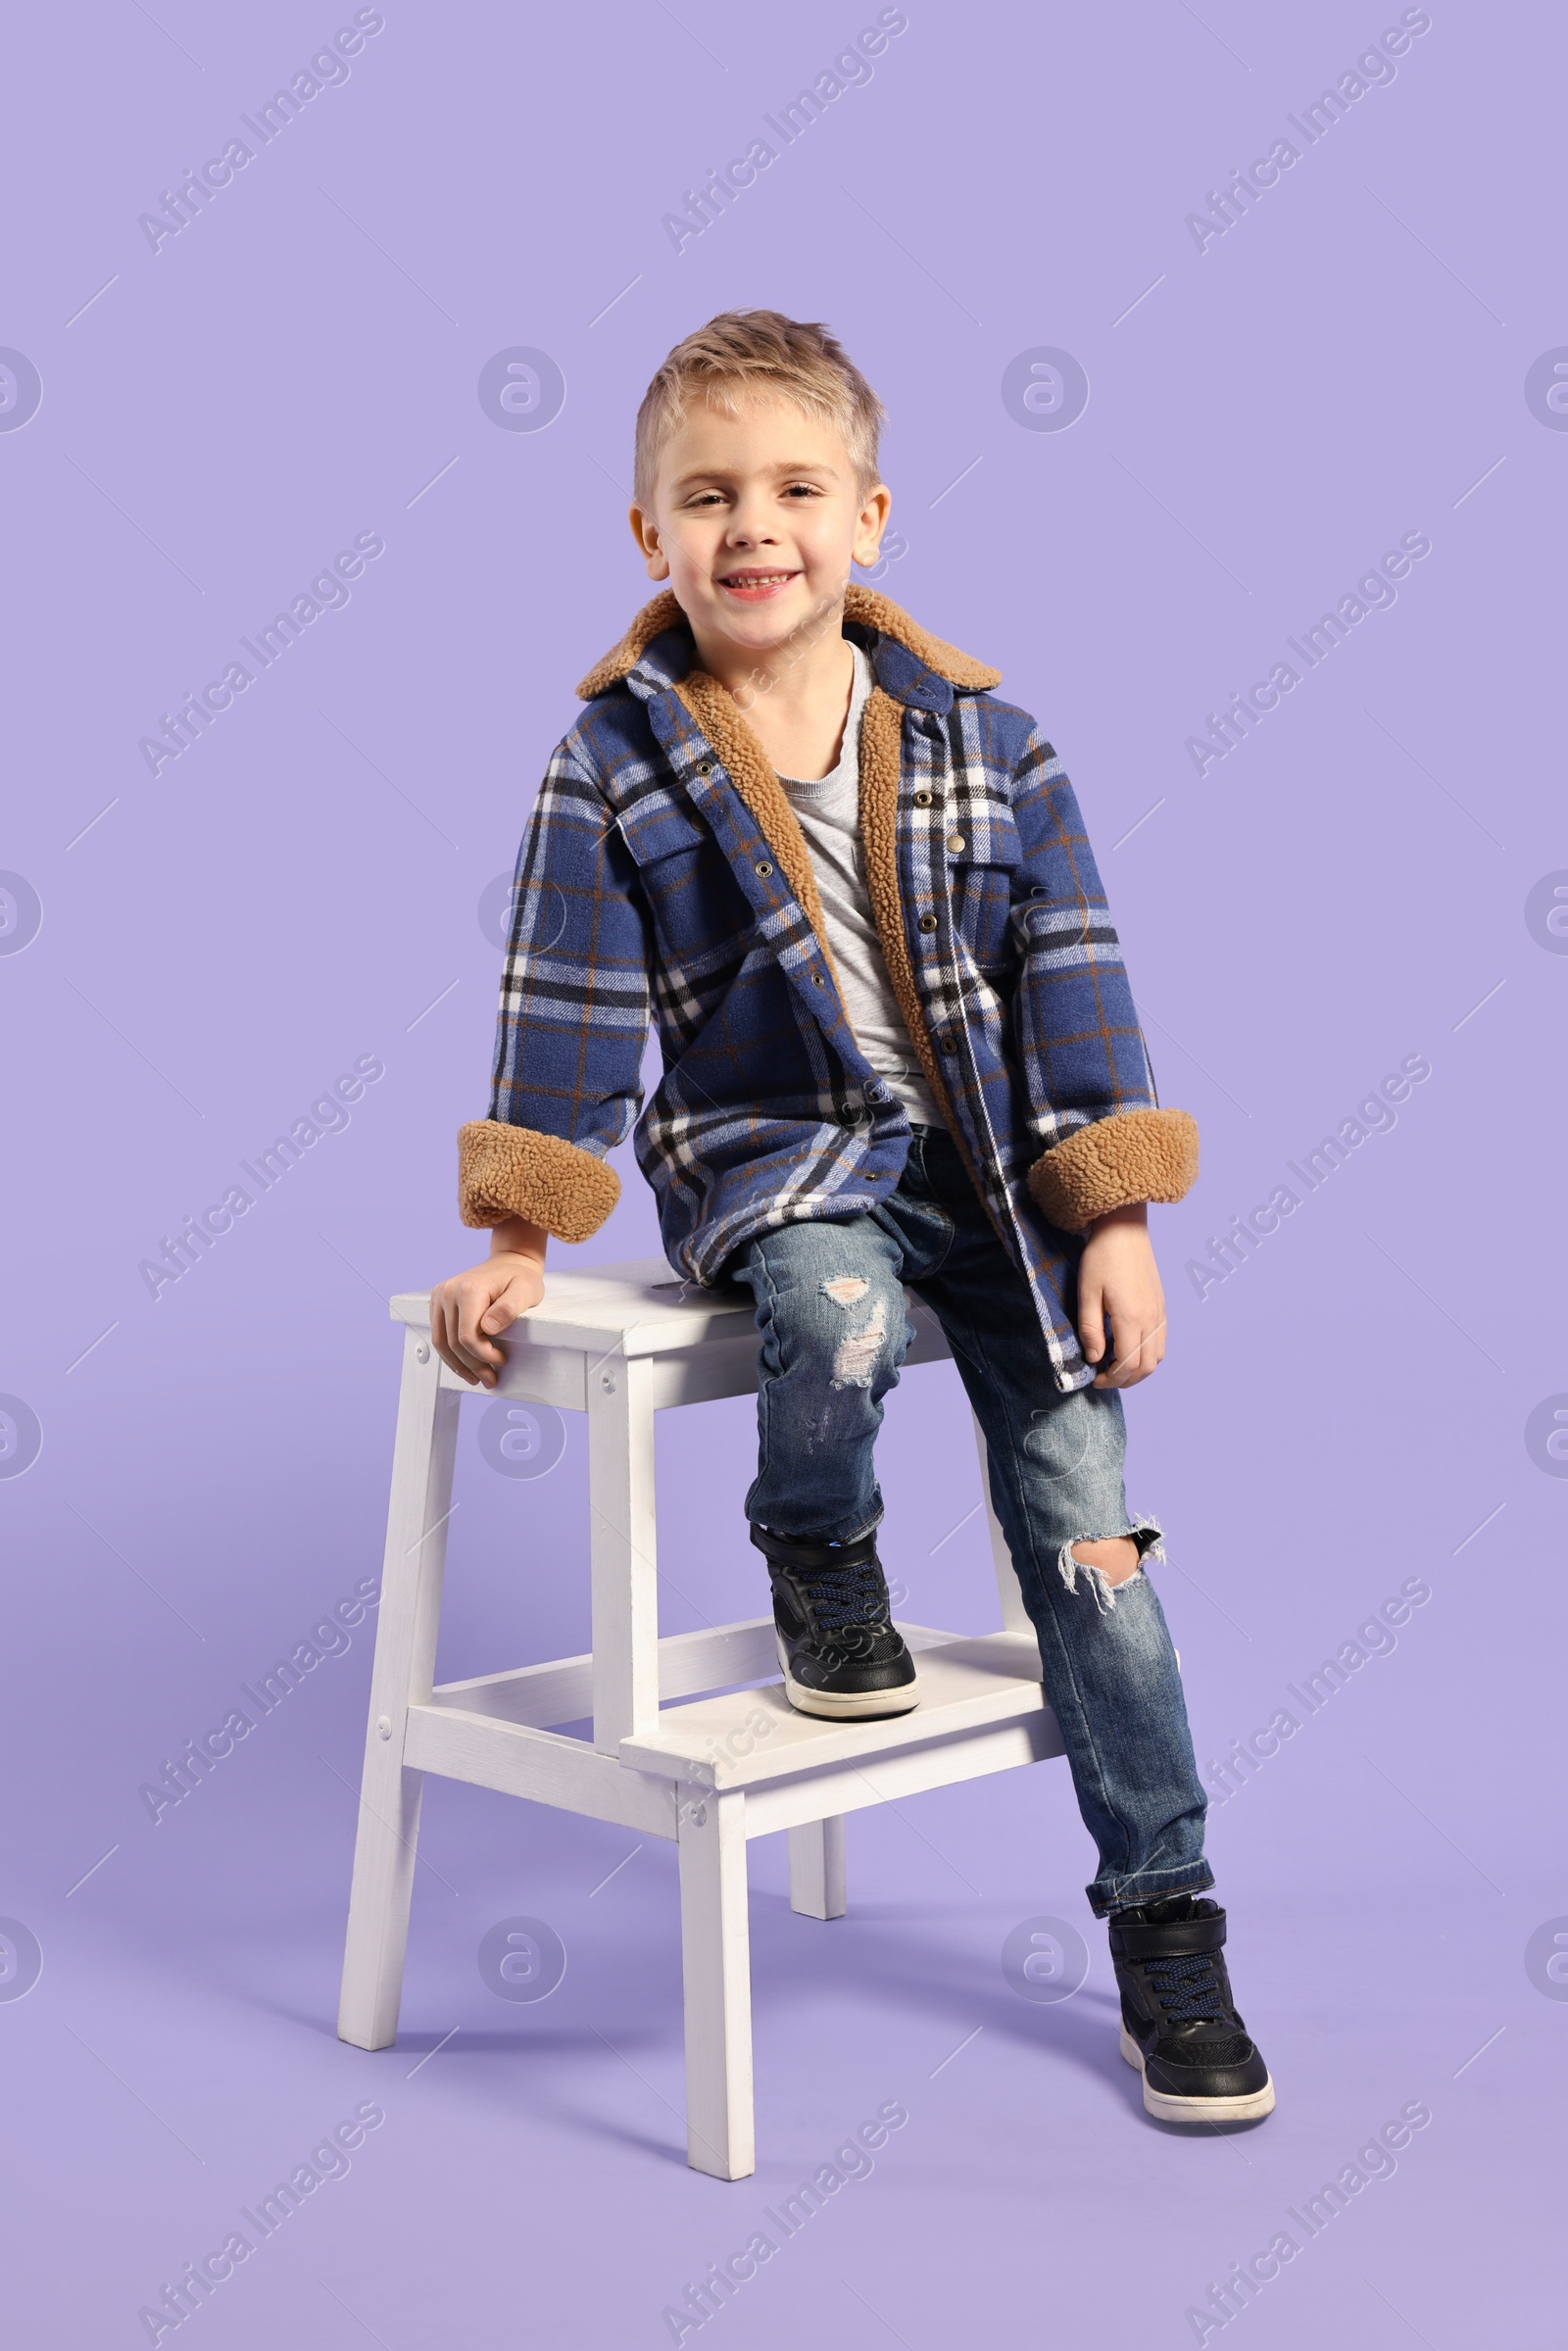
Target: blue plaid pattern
[[646, 890]]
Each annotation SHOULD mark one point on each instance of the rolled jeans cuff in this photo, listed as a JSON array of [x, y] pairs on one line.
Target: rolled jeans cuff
[[1107, 1894]]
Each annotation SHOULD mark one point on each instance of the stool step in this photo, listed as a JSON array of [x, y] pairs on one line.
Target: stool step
[[751, 1737]]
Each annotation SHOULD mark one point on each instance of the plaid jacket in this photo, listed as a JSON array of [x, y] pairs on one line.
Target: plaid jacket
[[662, 872]]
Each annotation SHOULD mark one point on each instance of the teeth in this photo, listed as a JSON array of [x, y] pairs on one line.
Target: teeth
[[761, 579]]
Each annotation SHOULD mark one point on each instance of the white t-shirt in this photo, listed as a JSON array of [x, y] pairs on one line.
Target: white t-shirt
[[829, 815]]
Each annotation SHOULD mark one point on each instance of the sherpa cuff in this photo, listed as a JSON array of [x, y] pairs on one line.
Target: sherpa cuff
[[1133, 1155], [512, 1171]]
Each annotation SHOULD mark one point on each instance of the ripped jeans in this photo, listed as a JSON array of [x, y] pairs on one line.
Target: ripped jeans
[[830, 1308]]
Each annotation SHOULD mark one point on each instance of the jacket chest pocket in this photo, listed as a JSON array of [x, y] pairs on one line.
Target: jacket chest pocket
[[658, 827], [983, 852], [696, 904]]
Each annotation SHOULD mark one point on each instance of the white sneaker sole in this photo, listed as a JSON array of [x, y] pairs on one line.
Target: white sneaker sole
[[836, 1708], [1166, 2109]]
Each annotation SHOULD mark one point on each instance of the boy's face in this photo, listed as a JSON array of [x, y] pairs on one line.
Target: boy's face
[[755, 522]]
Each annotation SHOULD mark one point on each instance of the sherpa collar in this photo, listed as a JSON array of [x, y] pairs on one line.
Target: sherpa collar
[[658, 651]]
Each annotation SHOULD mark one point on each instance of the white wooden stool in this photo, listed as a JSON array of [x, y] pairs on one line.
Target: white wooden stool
[[622, 1343]]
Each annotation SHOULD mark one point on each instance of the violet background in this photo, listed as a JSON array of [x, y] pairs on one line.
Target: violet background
[[301, 887]]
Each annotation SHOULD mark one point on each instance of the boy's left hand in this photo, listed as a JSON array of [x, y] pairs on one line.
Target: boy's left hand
[[1118, 1282]]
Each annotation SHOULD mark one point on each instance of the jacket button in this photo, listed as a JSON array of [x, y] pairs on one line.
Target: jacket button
[[928, 922], [704, 767], [923, 800], [763, 867], [955, 842], [818, 981], [949, 1044]]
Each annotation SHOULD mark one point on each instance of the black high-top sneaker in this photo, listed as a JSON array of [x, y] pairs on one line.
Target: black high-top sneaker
[[841, 1655], [1179, 2024]]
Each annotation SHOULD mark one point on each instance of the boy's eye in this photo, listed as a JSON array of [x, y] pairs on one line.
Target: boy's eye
[[709, 497]]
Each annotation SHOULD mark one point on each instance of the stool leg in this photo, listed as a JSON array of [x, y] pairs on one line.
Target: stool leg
[[623, 1549], [405, 1663], [817, 1868], [1015, 1617], [715, 1969]]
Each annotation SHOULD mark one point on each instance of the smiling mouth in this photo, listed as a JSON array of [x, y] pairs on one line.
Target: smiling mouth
[[755, 583]]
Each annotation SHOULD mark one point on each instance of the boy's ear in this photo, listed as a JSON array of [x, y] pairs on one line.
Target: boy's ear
[[872, 522], [646, 534]]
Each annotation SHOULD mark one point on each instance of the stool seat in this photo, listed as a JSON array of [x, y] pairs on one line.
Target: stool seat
[[640, 1303], [694, 1739]]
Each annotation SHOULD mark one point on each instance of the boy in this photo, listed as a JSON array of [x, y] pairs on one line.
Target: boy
[[898, 1047]]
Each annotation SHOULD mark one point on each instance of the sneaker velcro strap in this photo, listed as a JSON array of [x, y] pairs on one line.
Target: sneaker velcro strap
[[1179, 1939], [804, 1555]]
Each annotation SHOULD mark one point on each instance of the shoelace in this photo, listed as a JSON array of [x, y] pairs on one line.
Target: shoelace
[[1187, 1988], [845, 1601]]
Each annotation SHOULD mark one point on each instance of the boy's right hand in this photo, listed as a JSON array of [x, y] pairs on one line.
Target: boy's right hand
[[469, 1309]]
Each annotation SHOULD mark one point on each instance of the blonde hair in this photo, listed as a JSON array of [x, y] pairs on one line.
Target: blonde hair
[[741, 353]]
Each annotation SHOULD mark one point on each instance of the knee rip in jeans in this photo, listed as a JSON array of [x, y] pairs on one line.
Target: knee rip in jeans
[[1143, 1532], [855, 1355]]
